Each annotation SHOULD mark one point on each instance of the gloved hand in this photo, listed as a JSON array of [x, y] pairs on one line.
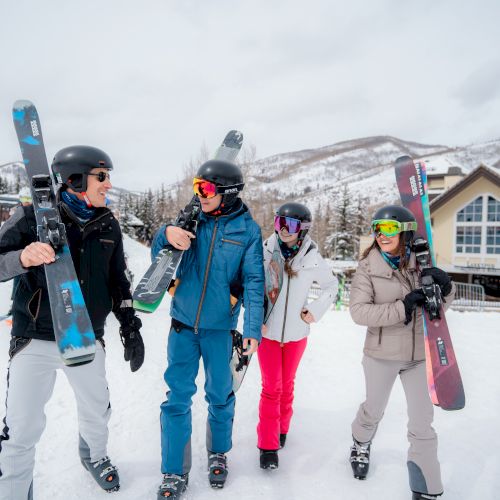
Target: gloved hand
[[441, 278], [411, 301], [132, 342]]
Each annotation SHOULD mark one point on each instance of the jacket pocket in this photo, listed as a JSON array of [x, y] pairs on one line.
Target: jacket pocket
[[33, 305], [17, 344], [233, 242], [107, 248]]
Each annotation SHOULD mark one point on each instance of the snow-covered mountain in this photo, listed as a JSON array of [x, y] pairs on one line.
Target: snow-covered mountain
[[365, 165]]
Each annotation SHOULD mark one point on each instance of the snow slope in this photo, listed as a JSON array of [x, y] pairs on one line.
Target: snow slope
[[314, 463]]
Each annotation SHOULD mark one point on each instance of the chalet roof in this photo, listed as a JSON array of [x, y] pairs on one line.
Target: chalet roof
[[481, 171]]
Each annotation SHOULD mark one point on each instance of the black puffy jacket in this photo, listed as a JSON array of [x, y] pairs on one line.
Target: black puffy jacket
[[97, 252]]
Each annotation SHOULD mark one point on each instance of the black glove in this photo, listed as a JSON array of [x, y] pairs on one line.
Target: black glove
[[411, 301], [130, 325], [441, 278]]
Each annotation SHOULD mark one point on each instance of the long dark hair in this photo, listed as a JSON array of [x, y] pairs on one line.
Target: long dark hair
[[403, 261]]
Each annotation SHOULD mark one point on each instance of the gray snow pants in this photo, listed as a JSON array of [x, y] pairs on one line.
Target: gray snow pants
[[423, 465], [31, 379]]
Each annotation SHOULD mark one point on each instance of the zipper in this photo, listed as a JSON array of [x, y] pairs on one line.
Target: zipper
[[413, 335], [205, 280], [233, 242], [284, 316], [380, 335]]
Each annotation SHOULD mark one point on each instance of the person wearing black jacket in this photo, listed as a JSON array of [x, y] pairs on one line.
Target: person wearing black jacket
[[96, 246]]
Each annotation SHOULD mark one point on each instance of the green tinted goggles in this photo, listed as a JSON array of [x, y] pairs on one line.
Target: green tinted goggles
[[389, 227]]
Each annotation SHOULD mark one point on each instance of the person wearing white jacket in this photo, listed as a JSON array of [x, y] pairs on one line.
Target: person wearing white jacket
[[293, 257]]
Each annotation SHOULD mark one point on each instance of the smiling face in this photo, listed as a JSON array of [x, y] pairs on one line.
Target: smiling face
[[210, 204], [287, 238], [96, 190], [389, 244]]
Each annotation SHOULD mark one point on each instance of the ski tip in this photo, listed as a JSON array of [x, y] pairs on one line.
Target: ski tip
[[22, 104], [234, 138], [403, 160]]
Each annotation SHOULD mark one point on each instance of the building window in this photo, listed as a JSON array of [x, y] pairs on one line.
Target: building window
[[478, 228], [468, 239], [493, 209], [493, 239], [473, 212]]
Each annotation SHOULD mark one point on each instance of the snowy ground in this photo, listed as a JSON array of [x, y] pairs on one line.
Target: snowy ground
[[314, 463]]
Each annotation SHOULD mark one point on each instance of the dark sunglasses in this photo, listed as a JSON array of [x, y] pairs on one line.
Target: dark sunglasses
[[102, 176]]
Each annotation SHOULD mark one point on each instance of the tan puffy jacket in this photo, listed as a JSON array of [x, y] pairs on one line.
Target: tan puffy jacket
[[376, 301]]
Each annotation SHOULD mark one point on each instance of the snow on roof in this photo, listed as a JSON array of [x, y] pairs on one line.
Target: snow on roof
[[439, 165]]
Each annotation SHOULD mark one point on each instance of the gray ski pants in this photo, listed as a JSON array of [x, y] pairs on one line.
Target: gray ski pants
[[31, 379], [423, 465]]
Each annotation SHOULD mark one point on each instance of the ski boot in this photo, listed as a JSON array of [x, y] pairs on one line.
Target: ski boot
[[282, 440], [173, 486], [217, 469], [269, 459], [424, 496], [104, 473], [360, 459]]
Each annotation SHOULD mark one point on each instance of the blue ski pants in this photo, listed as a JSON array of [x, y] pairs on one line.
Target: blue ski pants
[[183, 355]]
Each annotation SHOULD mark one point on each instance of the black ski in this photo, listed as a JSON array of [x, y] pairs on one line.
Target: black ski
[[72, 327]]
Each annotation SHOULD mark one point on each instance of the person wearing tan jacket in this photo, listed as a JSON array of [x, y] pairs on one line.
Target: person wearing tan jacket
[[386, 297]]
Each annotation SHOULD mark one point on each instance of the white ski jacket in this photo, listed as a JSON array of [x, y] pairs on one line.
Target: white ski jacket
[[284, 323]]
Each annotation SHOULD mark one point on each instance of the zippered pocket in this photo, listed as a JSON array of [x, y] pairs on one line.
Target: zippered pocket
[[17, 344], [233, 242]]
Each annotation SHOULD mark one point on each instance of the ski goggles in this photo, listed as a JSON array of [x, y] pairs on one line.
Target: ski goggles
[[389, 227], [293, 226], [207, 189], [102, 176]]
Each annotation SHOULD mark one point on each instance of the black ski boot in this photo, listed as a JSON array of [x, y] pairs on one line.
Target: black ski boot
[[217, 469], [282, 440], [360, 459], [424, 496], [173, 486], [269, 459], [104, 473]]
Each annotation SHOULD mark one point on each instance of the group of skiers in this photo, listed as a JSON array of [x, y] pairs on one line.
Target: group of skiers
[[224, 266]]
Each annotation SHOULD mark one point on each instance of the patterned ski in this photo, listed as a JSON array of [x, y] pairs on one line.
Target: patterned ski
[[72, 326], [239, 361], [153, 285], [443, 375], [273, 282]]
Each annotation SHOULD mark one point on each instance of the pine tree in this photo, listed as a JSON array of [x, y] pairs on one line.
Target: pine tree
[[341, 243], [4, 186]]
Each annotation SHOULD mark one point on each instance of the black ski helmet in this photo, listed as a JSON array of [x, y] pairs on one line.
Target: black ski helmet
[[296, 211], [226, 176], [399, 213], [71, 165]]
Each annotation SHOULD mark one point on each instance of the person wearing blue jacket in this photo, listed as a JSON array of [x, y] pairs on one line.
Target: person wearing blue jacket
[[222, 263]]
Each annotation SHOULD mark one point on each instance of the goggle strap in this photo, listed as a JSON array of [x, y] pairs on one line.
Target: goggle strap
[[235, 188]]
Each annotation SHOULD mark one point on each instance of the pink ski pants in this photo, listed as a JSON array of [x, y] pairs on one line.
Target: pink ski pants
[[278, 366]]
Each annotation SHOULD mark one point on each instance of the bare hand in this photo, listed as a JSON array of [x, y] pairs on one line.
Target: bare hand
[[250, 346], [263, 329], [179, 238], [307, 316], [36, 254]]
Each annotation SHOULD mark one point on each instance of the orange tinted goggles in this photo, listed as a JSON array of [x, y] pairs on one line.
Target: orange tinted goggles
[[203, 188]]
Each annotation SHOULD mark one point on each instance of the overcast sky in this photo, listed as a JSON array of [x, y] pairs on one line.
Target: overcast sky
[[150, 81]]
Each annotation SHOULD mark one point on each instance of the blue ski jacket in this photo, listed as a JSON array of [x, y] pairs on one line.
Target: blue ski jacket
[[226, 255]]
